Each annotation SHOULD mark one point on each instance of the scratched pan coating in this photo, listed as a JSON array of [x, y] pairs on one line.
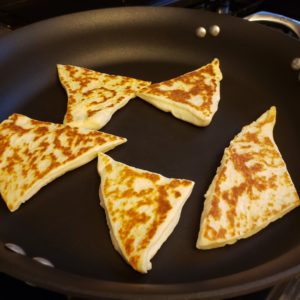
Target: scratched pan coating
[[64, 223]]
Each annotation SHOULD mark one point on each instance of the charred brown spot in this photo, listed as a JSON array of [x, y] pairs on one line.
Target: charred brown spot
[[213, 234], [215, 210]]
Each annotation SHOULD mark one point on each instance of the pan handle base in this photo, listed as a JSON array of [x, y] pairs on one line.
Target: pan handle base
[[264, 16]]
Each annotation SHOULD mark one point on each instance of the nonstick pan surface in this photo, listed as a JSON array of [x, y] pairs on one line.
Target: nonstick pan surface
[[64, 222]]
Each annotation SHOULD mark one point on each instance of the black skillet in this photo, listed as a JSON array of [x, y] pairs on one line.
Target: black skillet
[[64, 223]]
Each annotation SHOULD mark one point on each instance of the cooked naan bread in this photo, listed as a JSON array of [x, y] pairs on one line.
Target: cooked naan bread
[[251, 189], [192, 97], [93, 97], [142, 209], [34, 153]]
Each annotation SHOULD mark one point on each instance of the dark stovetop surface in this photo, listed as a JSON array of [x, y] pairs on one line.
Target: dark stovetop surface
[[15, 14], [12, 289]]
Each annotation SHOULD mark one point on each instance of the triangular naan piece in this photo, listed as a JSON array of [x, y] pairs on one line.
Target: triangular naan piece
[[192, 97], [142, 209], [34, 153], [93, 97], [251, 189]]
